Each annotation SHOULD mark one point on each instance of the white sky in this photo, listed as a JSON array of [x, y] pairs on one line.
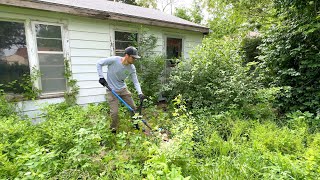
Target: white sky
[[177, 3]]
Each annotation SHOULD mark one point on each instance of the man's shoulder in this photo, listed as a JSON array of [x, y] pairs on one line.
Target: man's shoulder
[[114, 57], [110, 59]]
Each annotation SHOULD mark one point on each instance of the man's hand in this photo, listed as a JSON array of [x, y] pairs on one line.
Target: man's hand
[[142, 97], [103, 82]]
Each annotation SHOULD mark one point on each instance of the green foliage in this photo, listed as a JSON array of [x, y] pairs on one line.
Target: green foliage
[[132, 2], [290, 55], [250, 50], [145, 42], [182, 13], [6, 108], [74, 143], [238, 17], [149, 71], [73, 89], [22, 86], [193, 14], [214, 77], [150, 66], [148, 3]]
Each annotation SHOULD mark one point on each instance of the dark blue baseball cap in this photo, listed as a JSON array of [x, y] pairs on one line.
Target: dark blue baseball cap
[[132, 51]]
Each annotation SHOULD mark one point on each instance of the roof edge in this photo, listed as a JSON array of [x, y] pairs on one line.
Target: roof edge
[[54, 7]]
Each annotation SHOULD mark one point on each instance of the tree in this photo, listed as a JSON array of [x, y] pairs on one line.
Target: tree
[[148, 3], [192, 14], [290, 55], [182, 13], [132, 2], [233, 16]]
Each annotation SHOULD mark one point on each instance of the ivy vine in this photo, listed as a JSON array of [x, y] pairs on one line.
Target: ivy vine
[[72, 88]]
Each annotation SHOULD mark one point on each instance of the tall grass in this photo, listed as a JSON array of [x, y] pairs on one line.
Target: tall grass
[[74, 142]]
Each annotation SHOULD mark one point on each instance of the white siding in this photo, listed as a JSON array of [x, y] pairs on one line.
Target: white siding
[[88, 41]]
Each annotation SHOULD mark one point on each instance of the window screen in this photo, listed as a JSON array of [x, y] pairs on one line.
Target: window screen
[[51, 59]]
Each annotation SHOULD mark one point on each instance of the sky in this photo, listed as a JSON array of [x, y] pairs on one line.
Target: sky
[[178, 3]]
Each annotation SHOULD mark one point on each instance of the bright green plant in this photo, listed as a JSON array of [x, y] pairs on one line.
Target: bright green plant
[[73, 89], [290, 55], [22, 89], [6, 108], [214, 77], [149, 71]]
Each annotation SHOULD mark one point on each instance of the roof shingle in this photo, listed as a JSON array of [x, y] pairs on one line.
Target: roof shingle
[[123, 10]]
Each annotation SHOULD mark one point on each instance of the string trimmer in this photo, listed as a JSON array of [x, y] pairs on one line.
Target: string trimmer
[[129, 107]]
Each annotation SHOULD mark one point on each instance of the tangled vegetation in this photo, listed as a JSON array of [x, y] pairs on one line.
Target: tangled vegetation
[[73, 142], [243, 107]]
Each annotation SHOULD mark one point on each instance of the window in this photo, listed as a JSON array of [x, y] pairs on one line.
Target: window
[[123, 40], [14, 63], [174, 50], [51, 58]]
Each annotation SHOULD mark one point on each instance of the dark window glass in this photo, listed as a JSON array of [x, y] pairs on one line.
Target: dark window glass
[[51, 63], [174, 48], [49, 45], [48, 31], [126, 36], [123, 40], [14, 63]]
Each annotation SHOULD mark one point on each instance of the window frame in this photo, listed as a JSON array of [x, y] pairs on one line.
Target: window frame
[[171, 62], [122, 31], [36, 63]]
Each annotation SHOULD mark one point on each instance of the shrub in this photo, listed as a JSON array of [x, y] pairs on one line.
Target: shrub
[[214, 77], [150, 71], [6, 108], [290, 55]]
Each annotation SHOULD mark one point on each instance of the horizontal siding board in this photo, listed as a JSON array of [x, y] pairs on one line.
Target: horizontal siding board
[[92, 68], [96, 26], [89, 52], [37, 104], [89, 84], [86, 76], [85, 60], [89, 44], [89, 36], [91, 99], [92, 91]]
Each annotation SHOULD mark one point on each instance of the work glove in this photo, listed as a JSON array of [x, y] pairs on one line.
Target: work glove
[[142, 97], [103, 82]]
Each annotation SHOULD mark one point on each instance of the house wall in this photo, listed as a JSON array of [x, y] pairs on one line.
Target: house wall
[[86, 41]]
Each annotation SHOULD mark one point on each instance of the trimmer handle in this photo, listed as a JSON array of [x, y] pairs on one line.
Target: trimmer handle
[[120, 99]]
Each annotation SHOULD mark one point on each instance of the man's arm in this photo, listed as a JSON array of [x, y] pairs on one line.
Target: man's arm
[[103, 62], [100, 63], [135, 81]]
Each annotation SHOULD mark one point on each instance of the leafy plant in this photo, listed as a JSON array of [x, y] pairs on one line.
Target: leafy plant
[[290, 55], [73, 89], [213, 78]]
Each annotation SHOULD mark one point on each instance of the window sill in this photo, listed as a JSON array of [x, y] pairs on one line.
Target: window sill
[[51, 95], [18, 97]]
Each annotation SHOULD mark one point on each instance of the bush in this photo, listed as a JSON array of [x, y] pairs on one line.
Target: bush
[[6, 108], [290, 55], [214, 77], [150, 71]]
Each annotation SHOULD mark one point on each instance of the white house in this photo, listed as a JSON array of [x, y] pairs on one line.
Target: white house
[[40, 34]]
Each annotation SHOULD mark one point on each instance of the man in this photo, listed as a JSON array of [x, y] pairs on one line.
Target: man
[[119, 68]]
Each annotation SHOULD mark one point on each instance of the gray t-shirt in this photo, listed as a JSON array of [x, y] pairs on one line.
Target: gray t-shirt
[[117, 73]]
